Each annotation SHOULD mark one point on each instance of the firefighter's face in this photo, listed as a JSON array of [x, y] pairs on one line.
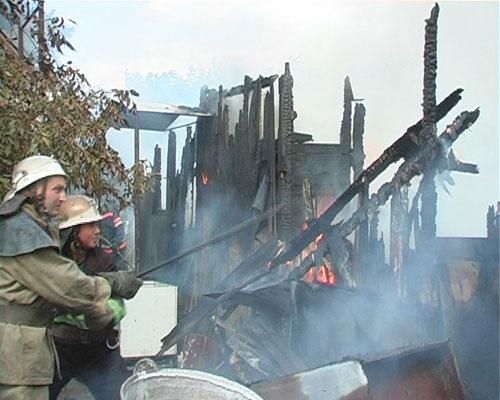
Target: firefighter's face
[[54, 193], [89, 234]]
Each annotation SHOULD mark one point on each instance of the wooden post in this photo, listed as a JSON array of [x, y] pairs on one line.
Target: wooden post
[[170, 195], [245, 167], [285, 131], [358, 130], [269, 155], [357, 161], [157, 180], [398, 225], [345, 134], [136, 205], [428, 211]]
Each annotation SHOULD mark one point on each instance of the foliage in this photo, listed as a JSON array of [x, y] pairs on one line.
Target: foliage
[[52, 109]]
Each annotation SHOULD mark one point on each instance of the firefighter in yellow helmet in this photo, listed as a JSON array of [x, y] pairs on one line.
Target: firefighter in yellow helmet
[[92, 357], [35, 279]]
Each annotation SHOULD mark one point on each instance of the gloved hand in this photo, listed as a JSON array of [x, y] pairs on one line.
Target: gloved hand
[[123, 283]]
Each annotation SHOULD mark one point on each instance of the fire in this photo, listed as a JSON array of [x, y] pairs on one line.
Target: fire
[[318, 239], [204, 178], [323, 274]]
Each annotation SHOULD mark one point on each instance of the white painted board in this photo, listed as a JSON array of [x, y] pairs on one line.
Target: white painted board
[[151, 315]]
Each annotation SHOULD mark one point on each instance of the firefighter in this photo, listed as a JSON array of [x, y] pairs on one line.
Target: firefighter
[[92, 357], [35, 279]]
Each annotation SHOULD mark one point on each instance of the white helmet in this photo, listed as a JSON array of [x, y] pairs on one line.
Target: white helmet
[[30, 170], [78, 210]]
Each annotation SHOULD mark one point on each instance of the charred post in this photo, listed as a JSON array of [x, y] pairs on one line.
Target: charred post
[[285, 131], [269, 156], [345, 130], [358, 159], [185, 181], [171, 186], [398, 225], [157, 180], [358, 131], [428, 210]]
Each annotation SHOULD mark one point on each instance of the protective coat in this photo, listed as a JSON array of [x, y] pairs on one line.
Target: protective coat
[[35, 279]]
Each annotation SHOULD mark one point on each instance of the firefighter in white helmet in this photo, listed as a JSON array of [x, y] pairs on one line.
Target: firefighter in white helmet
[[90, 356], [35, 279]]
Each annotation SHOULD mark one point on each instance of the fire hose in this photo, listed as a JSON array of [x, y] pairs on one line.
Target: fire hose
[[217, 238]]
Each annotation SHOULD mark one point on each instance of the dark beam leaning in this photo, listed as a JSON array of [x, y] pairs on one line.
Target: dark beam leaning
[[408, 170]]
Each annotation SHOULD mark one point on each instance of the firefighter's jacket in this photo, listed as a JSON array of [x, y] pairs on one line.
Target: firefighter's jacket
[[35, 279]]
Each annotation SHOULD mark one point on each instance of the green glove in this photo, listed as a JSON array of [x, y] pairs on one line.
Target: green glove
[[124, 284]]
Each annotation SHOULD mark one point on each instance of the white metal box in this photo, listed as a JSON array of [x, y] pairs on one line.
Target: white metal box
[[151, 315]]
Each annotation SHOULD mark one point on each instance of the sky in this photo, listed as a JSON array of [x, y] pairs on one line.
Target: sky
[[168, 49]]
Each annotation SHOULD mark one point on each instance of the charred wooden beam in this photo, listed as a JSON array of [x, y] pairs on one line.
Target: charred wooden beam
[[254, 148], [171, 163], [186, 177], [219, 150], [345, 133], [426, 248], [358, 130], [404, 147], [427, 134], [238, 90], [171, 190], [338, 249], [157, 179], [225, 142], [491, 227], [245, 171], [362, 239], [204, 150], [397, 243], [357, 161], [454, 164], [408, 170], [285, 131], [269, 155], [430, 68]]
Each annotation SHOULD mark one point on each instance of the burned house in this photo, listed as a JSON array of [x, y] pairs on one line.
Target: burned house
[[270, 235], [257, 166]]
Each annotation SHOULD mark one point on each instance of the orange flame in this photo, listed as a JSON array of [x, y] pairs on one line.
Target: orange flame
[[204, 178], [323, 274]]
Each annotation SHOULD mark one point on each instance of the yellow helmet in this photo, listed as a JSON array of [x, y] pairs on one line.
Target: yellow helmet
[[78, 210], [31, 170]]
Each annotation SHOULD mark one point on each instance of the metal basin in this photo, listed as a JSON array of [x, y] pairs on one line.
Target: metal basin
[[183, 384]]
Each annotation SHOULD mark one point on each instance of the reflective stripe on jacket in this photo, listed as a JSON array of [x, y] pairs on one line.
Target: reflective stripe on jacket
[[97, 260]]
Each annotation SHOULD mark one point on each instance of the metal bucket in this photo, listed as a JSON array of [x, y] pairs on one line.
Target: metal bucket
[[183, 384]]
